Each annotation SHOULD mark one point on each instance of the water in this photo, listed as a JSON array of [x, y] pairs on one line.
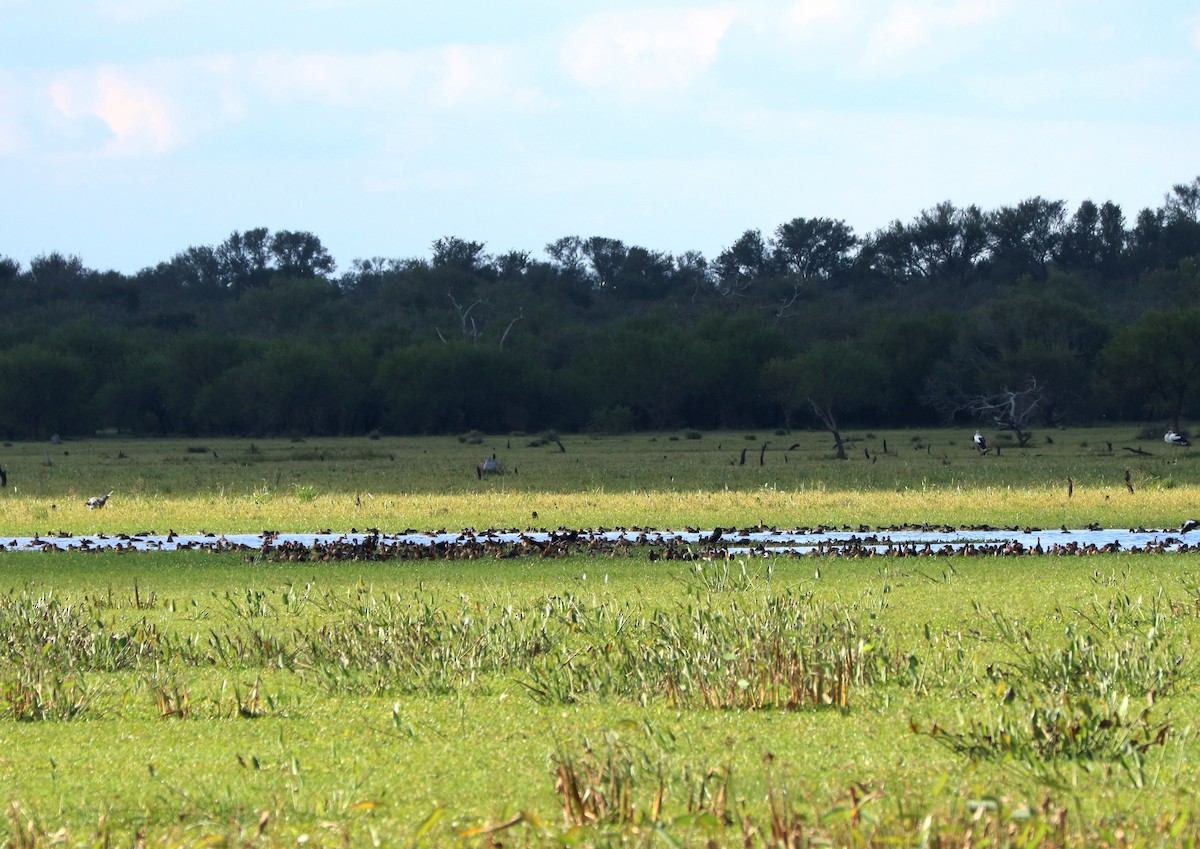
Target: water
[[737, 542]]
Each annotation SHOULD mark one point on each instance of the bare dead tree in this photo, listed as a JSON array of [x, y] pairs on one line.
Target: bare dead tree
[[470, 329], [824, 411], [520, 315], [1010, 409], [785, 308]]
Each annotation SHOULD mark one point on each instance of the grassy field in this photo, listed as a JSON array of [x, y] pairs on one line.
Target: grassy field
[[648, 480], [192, 698], [179, 699]]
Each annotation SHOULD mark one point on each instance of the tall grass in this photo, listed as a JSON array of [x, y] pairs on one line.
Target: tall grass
[[661, 480]]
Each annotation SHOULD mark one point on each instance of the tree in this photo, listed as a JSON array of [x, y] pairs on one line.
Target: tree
[[10, 270], [568, 259], [1114, 239], [942, 243], [832, 379], [1094, 239], [910, 346], [195, 273], [289, 304], [1038, 335], [607, 257], [814, 248], [1181, 219], [741, 264], [1025, 237], [460, 255], [1010, 409], [1153, 364], [243, 259], [512, 265], [300, 254], [948, 242], [42, 392], [57, 276]]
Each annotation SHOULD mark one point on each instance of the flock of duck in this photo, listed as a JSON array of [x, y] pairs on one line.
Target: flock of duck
[[689, 544], [692, 544], [677, 547]]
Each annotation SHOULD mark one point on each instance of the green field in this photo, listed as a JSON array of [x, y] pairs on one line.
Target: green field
[[660, 480], [197, 699]]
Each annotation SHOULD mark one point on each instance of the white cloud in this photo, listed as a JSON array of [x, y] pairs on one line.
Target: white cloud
[[645, 53], [1135, 82], [437, 77], [137, 114], [155, 107], [125, 11], [804, 17], [923, 33], [11, 109]]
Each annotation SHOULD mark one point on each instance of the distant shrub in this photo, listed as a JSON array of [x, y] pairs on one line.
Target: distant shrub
[[611, 420]]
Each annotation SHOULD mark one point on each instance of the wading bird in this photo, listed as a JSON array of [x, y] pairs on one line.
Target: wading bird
[[97, 501], [1189, 525], [980, 443], [1173, 438]]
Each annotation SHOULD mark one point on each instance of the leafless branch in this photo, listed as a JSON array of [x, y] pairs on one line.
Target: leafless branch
[[1010, 409], [470, 329], [520, 315]]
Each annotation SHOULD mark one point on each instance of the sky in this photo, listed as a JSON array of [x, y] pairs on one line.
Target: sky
[[132, 130]]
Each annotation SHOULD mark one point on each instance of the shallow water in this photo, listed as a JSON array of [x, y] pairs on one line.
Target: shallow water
[[735, 541]]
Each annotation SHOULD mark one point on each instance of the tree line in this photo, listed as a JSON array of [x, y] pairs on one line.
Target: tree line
[[1024, 315]]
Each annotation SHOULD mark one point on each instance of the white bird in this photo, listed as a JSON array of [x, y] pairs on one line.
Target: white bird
[[1173, 438], [1189, 525], [98, 501], [980, 443]]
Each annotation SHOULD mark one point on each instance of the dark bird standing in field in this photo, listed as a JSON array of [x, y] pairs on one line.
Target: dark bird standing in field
[[980, 443]]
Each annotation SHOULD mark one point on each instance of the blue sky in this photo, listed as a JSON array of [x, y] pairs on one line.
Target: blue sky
[[131, 130]]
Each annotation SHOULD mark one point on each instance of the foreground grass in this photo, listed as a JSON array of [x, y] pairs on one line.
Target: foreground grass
[[646, 480], [199, 699]]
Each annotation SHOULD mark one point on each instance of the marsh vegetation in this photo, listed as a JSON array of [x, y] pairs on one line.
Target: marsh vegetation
[[190, 698]]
